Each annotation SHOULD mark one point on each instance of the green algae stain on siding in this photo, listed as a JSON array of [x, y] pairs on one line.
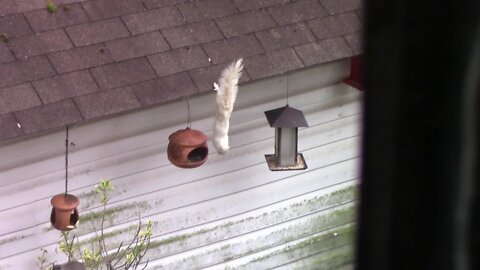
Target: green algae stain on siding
[[123, 209], [108, 236], [339, 258], [333, 259], [114, 238], [330, 226], [318, 243], [208, 235], [170, 240], [13, 238], [341, 200]]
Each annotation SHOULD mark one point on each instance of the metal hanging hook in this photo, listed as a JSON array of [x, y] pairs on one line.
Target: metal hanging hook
[[188, 112], [66, 161], [287, 83]]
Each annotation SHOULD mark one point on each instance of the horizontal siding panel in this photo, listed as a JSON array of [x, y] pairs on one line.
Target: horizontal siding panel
[[340, 258]]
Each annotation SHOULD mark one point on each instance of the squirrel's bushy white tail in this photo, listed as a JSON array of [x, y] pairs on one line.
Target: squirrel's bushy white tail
[[226, 95]]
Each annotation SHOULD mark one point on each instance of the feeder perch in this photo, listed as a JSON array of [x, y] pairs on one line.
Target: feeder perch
[[286, 121], [64, 215], [187, 148]]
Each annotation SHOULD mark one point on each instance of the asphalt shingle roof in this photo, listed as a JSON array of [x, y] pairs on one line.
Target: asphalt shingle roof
[[95, 58]]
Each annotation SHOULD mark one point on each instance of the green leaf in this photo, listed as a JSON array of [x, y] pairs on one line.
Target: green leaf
[[130, 257], [92, 259], [147, 232]]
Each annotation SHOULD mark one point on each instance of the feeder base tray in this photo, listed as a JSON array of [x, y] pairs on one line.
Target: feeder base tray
[[274, 166]]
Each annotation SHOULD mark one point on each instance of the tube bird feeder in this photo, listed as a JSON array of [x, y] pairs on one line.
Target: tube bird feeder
[[286, 121]]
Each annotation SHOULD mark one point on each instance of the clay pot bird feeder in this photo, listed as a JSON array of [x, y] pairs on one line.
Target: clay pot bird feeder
[[187, 148], [64, 215]]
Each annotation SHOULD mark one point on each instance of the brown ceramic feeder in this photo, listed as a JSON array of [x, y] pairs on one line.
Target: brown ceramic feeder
[[187, 148], [64, 215]]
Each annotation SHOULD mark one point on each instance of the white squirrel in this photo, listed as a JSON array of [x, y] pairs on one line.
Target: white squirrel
[[226, 94]]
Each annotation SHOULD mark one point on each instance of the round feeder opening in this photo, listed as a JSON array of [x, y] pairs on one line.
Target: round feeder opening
[[52, 216], [198, 154], [73, 219]]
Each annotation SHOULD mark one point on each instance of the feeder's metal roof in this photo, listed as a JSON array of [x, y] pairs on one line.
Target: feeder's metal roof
[[286, 117]]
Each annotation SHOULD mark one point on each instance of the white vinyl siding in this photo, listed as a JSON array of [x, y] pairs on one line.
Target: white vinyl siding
[[230, 213]]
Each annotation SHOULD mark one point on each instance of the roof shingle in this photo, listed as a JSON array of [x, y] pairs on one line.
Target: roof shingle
[[229, 49], [200, 10], [204, 77], [123, 73], [152, 20], [18, 97], [332, 26], [137, 46], [48, 116], [165, 89], [65, 86], [297, 11], [14, 25], [5, 54], [355, 41], [192, 34], [41, 43], [25, 70], [272, 63], [9, 128], [104, 9], [339, 6], [162, 3], [245, 23], [10, 7], [244, 5], [95, 32], [107, 102], [42, 20], [178, 60], [285, 36], [323, 51]]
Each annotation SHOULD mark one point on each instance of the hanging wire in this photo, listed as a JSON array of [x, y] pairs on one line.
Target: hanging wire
[[66, 162], [287, 86], [188, 113]]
